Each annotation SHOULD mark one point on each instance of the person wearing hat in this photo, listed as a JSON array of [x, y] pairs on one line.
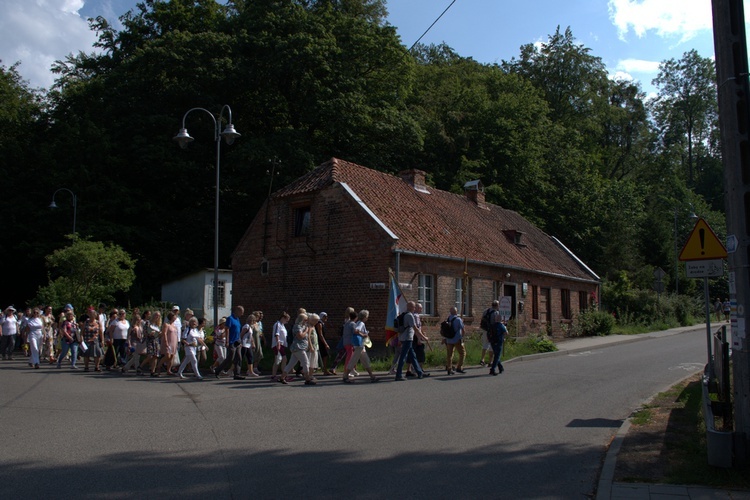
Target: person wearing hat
[[9, 330]]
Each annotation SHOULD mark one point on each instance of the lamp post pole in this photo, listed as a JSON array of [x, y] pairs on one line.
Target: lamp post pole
[[229, 134], [75, 204], [676, 260]]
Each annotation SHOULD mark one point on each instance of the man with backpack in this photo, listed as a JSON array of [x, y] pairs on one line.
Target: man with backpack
[[455, 342], [406, 330], [496, 337]]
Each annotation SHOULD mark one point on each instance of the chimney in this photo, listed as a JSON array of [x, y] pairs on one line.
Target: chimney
[[415, 178], [474, 191]]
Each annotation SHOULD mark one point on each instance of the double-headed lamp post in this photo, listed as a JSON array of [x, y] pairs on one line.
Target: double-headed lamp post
[[692, 216], [229, 134], [75, 204]]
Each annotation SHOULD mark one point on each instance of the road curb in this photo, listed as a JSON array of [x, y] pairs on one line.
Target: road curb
[[607, 475]]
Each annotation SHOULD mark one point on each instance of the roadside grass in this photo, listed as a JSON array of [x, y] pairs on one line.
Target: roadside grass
[[684, 445]]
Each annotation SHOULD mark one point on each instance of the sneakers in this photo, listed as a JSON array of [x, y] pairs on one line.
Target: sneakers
[[492, 372], [310, 382], [423, 375], [460, 370], [239, 377], [181, 376], [450, 371]]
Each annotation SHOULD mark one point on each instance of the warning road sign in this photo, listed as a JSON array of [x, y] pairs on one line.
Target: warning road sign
[[703, 244]]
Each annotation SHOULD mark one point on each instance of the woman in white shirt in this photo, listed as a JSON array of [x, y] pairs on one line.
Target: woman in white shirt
[[191, 341], [279, 343], [34, 326], [9, 324], [246, 337]]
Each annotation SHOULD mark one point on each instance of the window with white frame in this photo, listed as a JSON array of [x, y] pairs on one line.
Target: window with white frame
[[463, 293], [220, 294], [426, 294]]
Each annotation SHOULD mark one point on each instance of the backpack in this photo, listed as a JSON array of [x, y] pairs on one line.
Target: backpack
[[446, 329], [398, 323], [486, 322]]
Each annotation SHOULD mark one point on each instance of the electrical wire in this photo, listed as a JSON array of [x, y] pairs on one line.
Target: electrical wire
[[433, 24]]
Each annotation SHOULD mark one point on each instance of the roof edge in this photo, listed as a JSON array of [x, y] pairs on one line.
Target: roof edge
[[575, 257], [369, 212]]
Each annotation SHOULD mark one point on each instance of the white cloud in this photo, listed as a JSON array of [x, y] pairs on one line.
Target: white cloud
[[37, 33], [622, 75], [638, 66], [681, 19]]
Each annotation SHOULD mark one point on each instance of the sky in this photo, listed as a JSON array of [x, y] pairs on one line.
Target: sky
[[630, 36]]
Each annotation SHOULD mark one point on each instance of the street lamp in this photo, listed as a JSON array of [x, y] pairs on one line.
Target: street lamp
[[53, 205], [229, 134], [692, 216]]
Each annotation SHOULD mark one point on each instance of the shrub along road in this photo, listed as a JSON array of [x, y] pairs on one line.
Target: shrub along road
[[540, 430]]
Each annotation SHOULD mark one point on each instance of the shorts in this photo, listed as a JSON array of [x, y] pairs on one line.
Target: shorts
[[486, 345]]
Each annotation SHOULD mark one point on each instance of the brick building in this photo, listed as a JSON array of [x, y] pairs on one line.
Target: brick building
[[327, 241]]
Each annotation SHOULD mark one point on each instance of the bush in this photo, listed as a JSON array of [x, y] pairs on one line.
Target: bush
[[540, 343], [594, 323]]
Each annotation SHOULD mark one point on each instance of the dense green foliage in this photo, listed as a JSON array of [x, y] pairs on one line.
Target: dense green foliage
[[85, 273], [587, 158]]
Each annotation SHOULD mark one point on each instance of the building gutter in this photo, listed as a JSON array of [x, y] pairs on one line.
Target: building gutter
[[400, 252]]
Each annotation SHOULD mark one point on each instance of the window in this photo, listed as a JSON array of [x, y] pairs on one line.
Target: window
[[264, 268], [565, 303], [220, 294], [534, 302], [583, 303], [426, 294], [462, 296], [301, 221]]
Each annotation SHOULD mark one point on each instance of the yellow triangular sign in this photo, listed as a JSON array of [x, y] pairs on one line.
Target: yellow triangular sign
[[703, 244]]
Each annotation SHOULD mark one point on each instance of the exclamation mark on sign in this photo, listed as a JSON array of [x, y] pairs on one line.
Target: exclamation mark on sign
[[702, 235]]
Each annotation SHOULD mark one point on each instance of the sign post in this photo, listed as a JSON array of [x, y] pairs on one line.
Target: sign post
[[703, 253]]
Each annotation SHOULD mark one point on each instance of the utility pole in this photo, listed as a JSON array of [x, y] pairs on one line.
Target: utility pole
[[730, 46]]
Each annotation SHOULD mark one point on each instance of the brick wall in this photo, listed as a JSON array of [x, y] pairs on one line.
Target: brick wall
[[346, 254]]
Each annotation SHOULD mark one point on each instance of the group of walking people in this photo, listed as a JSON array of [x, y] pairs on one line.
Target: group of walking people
[[150, 344]]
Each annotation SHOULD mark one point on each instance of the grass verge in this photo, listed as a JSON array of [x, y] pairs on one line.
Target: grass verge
[[666, 443]]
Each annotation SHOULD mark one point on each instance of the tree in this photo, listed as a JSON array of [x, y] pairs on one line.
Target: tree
[[686, 112], [85, 273]]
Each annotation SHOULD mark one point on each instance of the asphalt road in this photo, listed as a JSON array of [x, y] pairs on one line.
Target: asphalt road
[[540, 430]]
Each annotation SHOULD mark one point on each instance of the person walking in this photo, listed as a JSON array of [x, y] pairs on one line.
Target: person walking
[[455, 343], [168, 339], [9, 331], [135, 345], [258, 342], [247, 339], [727, 309], [48, 319], [300, 347], [234, 345], [359, 353], [406, 337], [220, 343], [34, 335], [70, 340], [497, 338], [191, 341], [151, 330], [92, 336], [279, 343]]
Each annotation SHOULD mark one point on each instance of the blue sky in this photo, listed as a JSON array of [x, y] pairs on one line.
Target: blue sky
[[631, 36]]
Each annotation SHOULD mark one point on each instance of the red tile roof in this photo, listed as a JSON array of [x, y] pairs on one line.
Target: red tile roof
[[443, 223]]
